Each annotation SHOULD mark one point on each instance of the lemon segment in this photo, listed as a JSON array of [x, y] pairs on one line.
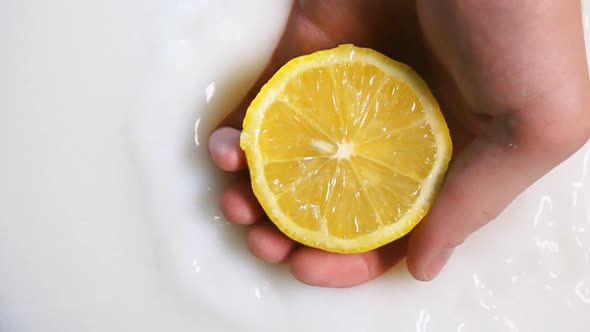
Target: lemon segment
[[346, 149]]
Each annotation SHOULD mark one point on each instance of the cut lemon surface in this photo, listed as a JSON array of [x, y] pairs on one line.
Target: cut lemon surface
[[346, 149]]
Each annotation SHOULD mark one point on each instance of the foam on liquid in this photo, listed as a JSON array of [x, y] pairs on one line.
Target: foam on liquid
[[109, 219]]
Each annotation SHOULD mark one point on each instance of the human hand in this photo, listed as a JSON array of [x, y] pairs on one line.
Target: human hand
[[512, 80]]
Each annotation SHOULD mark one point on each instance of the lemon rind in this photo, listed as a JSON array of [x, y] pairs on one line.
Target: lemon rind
[[430, 187]]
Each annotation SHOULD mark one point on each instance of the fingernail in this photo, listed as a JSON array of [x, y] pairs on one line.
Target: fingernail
[[219, 141], [436, 264]]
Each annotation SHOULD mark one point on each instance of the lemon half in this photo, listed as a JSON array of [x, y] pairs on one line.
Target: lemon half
[[346, 149]]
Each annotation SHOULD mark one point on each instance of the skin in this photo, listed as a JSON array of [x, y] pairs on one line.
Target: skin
[[512, 80]]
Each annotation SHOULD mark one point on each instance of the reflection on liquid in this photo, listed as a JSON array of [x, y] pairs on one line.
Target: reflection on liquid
[[527, 271], [486, 295], [423, 320], [259, 291], [583, 292], [510, 324], [196, 266], [209, 92]]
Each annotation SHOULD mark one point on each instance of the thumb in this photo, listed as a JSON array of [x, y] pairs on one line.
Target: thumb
[[542, 128], [483, 179]]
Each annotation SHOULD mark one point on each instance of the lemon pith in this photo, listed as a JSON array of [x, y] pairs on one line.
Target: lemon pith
[[346, 149]]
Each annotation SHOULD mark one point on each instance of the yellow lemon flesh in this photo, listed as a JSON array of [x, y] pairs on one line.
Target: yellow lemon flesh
[[346, 148]]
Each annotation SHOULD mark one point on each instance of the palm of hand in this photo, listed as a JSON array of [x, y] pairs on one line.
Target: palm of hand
[[393, 28], [364, 24]]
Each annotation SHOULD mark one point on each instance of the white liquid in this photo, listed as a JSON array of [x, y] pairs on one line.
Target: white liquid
[[108, 218]]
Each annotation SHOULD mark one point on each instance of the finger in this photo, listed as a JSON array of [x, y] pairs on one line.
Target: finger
[[224, 148], [320, 268], [481, 182], [239, 205], [266, 242]]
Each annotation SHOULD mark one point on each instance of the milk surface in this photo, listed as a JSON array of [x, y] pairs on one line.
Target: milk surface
[[109, 218]]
